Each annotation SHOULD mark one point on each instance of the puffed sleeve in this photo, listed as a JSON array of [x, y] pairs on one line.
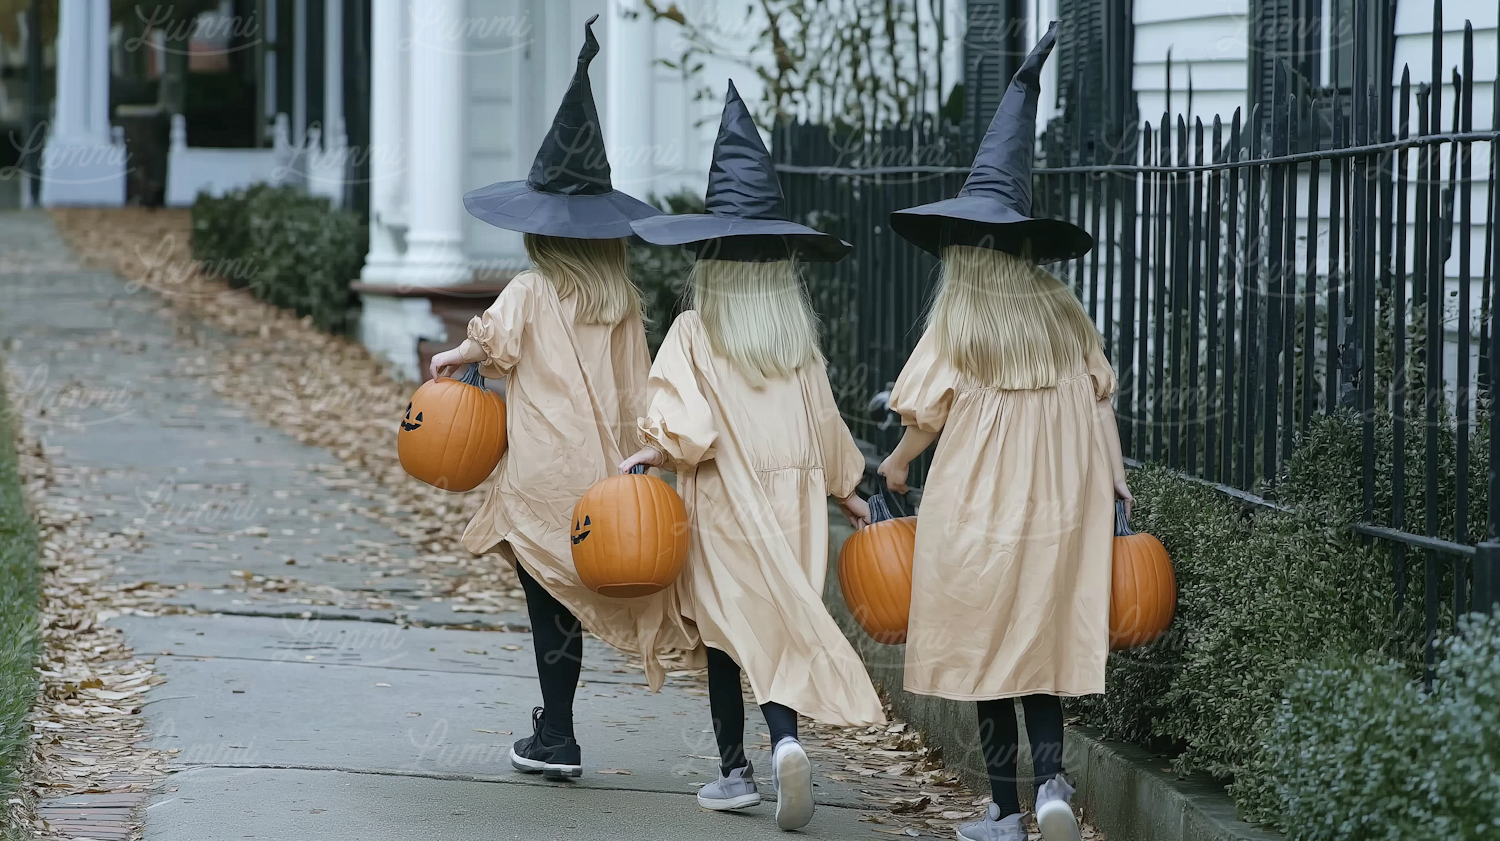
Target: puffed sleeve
[[495, 335], [678, 419], [1102, 372], [924, 392], [843, 462]]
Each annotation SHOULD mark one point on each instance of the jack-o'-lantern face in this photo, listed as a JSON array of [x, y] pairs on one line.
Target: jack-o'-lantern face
[[581, 529], [407, 424]]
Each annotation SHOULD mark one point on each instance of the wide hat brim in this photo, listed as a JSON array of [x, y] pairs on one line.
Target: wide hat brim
[[517, 206], [983, 222], [776, 235]]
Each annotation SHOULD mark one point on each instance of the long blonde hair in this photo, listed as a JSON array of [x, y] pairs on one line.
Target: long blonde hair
[[757, 315], [1006, 323], [595, 270]]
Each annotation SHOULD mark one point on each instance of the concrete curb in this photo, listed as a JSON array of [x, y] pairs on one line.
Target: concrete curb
[[1122, 789]]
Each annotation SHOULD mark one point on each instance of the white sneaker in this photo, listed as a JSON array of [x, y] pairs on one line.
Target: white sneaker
[[1054, 811], [791, 773]]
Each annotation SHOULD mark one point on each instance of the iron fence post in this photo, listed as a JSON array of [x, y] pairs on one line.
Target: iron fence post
[[1487, 576]]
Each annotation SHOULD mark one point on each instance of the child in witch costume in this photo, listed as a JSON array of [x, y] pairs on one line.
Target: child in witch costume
[[569, 336], [740, 407], [1011, 577]]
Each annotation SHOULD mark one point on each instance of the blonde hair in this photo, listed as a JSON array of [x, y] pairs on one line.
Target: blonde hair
[[1004, 322], [757, 315], [595, 270]]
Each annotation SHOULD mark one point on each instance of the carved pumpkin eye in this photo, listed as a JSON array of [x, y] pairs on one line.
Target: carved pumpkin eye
[[407, 424], [581, 530]]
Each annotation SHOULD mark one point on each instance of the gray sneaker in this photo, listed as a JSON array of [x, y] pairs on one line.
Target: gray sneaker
[[791, 773], [993, 827], [736, 791], [1054, 811]]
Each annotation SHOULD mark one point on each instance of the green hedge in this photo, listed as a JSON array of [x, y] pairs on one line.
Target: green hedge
[[290, 249], [1360, 751], [1263, 593], [19, 588]]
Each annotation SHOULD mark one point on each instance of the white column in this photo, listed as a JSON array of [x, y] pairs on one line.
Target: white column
[[326, 167], [629, 95], [434, 240], [72, 99], [98, 108], [334, 135], [388, 147], [81, 165]]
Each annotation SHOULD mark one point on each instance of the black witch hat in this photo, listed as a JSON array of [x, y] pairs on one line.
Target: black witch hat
[[746, 219], [993, 210], [568, 193]]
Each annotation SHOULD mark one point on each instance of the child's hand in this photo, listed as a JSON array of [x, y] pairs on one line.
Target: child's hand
[[857, 510], [895, 474], [649, 456], [1122, 492], [443, 363]]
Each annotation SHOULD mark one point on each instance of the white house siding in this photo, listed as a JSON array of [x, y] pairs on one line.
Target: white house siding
[[1207, 43], [1210, 39]]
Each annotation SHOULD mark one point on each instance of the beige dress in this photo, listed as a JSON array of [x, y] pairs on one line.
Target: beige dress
[[1011, 578], [573, 394], [755, 467]]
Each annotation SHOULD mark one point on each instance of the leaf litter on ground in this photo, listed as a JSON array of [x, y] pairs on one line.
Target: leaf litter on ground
[[330, 392]]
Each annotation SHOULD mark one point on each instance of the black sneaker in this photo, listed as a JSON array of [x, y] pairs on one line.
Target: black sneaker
[[554, 757]]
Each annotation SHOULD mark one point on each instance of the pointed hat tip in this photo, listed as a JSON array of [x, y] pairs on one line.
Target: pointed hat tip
[[1040, 52], [590, 43]]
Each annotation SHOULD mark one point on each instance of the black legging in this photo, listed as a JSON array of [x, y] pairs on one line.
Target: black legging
[[726, 702], [999, 741], [558, 638]]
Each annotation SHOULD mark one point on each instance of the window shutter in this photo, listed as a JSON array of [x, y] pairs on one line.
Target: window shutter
[[1273, 27], [994, 35]]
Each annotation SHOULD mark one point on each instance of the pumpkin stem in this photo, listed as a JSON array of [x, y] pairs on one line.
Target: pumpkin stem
[[638, 469], [471, 376], [1122, 522]]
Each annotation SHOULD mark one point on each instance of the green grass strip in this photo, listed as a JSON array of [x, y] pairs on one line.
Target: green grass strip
[[20, 580]]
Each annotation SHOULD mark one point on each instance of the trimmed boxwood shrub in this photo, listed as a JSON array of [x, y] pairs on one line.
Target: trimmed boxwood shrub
[[290, 249], [1260, 592], [1263, 593], [1358, 750]]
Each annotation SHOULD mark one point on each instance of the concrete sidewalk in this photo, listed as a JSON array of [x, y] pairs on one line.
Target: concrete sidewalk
[[288, 723]]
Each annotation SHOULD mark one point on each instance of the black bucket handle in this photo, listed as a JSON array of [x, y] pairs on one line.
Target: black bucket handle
[[886, 504]]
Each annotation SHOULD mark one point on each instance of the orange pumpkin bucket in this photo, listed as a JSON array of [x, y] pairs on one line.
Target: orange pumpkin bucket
[[630, 536], [453, 433], [875, 569], [1143, 591]]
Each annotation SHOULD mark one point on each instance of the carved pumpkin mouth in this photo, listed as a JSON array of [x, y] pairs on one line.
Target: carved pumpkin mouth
[[407, 424], [578, 536]]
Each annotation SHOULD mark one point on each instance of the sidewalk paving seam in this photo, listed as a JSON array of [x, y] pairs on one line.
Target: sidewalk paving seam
[[204, 658], [504, 627], [510, 780]]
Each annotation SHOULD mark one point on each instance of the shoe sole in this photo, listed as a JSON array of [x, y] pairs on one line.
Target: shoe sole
[[794, 794], [561, 772], [729, 804], [524, 765], [1057, 822], [548, 770]]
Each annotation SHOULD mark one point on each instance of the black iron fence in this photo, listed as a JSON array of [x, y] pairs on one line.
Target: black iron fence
[[1336, 254]]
